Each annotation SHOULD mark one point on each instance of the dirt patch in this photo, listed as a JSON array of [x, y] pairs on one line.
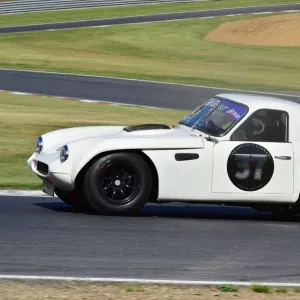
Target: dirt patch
[[76, 290], [279, 30]]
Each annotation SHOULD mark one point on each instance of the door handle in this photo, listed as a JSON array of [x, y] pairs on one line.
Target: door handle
[[284, 157]]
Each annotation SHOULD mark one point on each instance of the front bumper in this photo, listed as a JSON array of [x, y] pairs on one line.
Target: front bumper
[[49, 168]]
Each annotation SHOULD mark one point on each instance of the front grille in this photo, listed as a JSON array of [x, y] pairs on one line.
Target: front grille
[[42, 168]]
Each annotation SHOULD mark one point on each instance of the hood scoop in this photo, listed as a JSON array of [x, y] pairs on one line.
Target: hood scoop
[[145, 127]]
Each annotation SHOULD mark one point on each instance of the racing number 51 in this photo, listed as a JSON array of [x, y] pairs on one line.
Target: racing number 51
[[243, 162]]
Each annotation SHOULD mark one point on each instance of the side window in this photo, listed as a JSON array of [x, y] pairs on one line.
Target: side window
[[264, 125]]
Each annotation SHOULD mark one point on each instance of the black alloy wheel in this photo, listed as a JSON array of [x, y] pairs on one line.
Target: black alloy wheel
[[118, 183]]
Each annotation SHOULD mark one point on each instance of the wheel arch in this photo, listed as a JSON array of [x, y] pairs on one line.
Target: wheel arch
[[80, 175]]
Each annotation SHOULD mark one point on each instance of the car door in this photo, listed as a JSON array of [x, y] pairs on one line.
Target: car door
[[258, 158], [264, 168]]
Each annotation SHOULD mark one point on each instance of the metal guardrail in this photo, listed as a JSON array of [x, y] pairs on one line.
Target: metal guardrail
[[23, 6]]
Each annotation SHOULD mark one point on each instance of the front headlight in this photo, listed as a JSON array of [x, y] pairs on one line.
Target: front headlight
[[39, 145], [64, 153]]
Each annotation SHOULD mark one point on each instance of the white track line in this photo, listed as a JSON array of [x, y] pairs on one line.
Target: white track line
[[22, 193], [152, 81], [84, 100], [145, 281]]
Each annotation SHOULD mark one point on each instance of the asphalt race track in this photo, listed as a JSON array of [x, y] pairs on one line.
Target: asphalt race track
[[151, 18], [42, 236], [111, 89]]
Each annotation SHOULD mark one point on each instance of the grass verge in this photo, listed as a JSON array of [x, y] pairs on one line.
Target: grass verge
[[122, 11], [35, 290], [24, 118], [228, 288], [173, 52], [262, 289]]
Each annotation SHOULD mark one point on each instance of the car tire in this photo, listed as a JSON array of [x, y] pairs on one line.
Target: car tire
[[73, 199], [284, 212], [278, 210], [64, 197], [118, 183]]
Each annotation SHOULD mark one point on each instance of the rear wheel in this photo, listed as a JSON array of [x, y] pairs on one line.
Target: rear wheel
[[279, 210], [284, 211], [118, 183]]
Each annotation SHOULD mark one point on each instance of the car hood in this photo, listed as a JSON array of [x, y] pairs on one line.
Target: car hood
[[147, 134]]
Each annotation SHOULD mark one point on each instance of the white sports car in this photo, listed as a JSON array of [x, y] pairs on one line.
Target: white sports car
[[235, 149]]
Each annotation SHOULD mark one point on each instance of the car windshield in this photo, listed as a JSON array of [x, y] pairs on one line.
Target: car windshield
[[215, 117]]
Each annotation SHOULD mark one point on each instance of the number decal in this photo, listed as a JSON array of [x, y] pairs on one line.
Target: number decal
[[242, 162], [261, 160], [250, 167]]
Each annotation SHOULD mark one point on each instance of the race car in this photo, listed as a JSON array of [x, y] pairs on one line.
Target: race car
[[235, 149]]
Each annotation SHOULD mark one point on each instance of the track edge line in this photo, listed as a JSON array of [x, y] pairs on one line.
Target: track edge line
[[143, 281]]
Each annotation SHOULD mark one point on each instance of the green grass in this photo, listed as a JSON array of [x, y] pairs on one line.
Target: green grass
[[228, 288], [24, 118], [260, 289], [132, 289], [173, 52], [109, 12], [281, 290]]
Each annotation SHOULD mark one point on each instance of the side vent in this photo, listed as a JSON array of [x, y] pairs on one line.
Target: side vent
[[145, 127], [186, 156]]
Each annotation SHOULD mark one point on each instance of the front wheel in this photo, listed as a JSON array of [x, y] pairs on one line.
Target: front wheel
[[63, 196], [118, 183], [74, 199]]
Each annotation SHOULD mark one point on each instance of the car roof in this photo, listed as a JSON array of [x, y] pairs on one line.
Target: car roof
[[258, 101]]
